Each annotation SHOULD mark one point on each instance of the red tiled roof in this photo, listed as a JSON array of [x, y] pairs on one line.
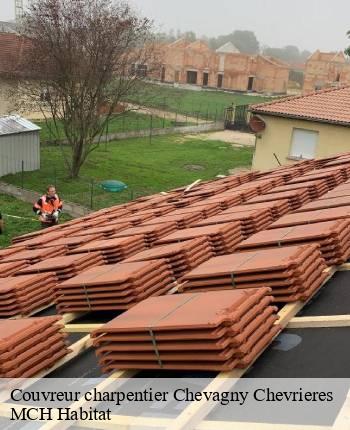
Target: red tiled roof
[[330, 106]]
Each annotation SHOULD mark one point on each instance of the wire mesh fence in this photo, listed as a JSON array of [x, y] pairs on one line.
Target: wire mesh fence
[[85, 191], [133, 122]]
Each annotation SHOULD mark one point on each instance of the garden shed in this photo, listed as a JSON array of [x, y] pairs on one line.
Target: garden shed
[[19, 145]]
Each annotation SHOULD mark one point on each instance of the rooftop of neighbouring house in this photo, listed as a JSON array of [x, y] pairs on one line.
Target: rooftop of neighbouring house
[[328, 106]]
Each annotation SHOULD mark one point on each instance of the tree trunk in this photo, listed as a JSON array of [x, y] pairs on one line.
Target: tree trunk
[[77, 160]]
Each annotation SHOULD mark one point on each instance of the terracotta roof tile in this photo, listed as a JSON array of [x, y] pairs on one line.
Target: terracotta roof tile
[[330, 106]]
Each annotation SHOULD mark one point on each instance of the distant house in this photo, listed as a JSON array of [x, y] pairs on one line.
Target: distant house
[[195, 63], [303, 127], [19, 145], [326, 70]]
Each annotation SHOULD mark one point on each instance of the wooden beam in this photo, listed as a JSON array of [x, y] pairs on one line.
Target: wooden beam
[[189, 188], [342, 421], [81, 328], [71, 316], [344, 267], [320, 321]]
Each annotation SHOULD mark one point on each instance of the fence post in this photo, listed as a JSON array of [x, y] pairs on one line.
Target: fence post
[[55, 177], [175, 119], [197, 116], [164, 120], [22, 175], [92, 194], [123, 125], [216, 113], [150, 129]]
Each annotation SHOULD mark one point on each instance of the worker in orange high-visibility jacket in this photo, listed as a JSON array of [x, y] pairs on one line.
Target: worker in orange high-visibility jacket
[[48, 207]]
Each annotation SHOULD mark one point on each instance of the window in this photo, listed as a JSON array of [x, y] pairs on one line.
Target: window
[[191, 77], [304, 143]]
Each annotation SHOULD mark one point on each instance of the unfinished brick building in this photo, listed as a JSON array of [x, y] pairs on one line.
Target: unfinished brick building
[[227, 68], [326, 70]]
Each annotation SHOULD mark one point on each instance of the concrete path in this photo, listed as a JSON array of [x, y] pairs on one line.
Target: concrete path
[[237, 138]]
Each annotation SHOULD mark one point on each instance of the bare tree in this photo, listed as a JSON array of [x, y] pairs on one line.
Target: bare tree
[[83, 55]]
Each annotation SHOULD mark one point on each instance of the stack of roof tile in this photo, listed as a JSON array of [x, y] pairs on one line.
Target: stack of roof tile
[[207, 209], [7, 252], [74, 241], [344, 169], [116, 286], [20, 295], [296, 198], [114, 250], [251, 221], [333, 178], [33, 256], [332, 236], [181, 257], [225, 200], [28, 346], [277, 208], [133, 220], [151, 233], [315, 188], [104, 230], [182, 220], [310, 217], [324, 203], [292, 272], [9, 269], [39, 241], [339, 191], [223, 238], [67, 266], [217, 331]]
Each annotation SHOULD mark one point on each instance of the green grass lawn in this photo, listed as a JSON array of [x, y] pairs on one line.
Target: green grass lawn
[[17, 226], [129, 121], [207, 103], [145, 167]]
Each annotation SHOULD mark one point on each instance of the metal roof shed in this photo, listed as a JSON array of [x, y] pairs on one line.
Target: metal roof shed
[[19, 145]]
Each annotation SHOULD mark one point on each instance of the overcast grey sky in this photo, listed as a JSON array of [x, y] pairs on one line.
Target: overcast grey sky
[[309, 24]]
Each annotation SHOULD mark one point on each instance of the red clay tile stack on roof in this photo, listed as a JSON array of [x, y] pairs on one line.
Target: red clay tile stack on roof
[[33, 256], [344, 169], [180, 202], [151, 233], [114, 250], [251, 221], [293, 273], [225, 200], [315, 188], [181, 257], [72, 242], [223, 238], [217, 331], [207, 209], [333, 178], [67, 266], [38, 241], [7, 252], [114, 287], [277, 208], [332, 236], [339, 191], [28, 346], [311, 217], [325, 203], [182, 220], [133, 219], [9, 269], [21, 295], [105, 230], [296, 198]]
